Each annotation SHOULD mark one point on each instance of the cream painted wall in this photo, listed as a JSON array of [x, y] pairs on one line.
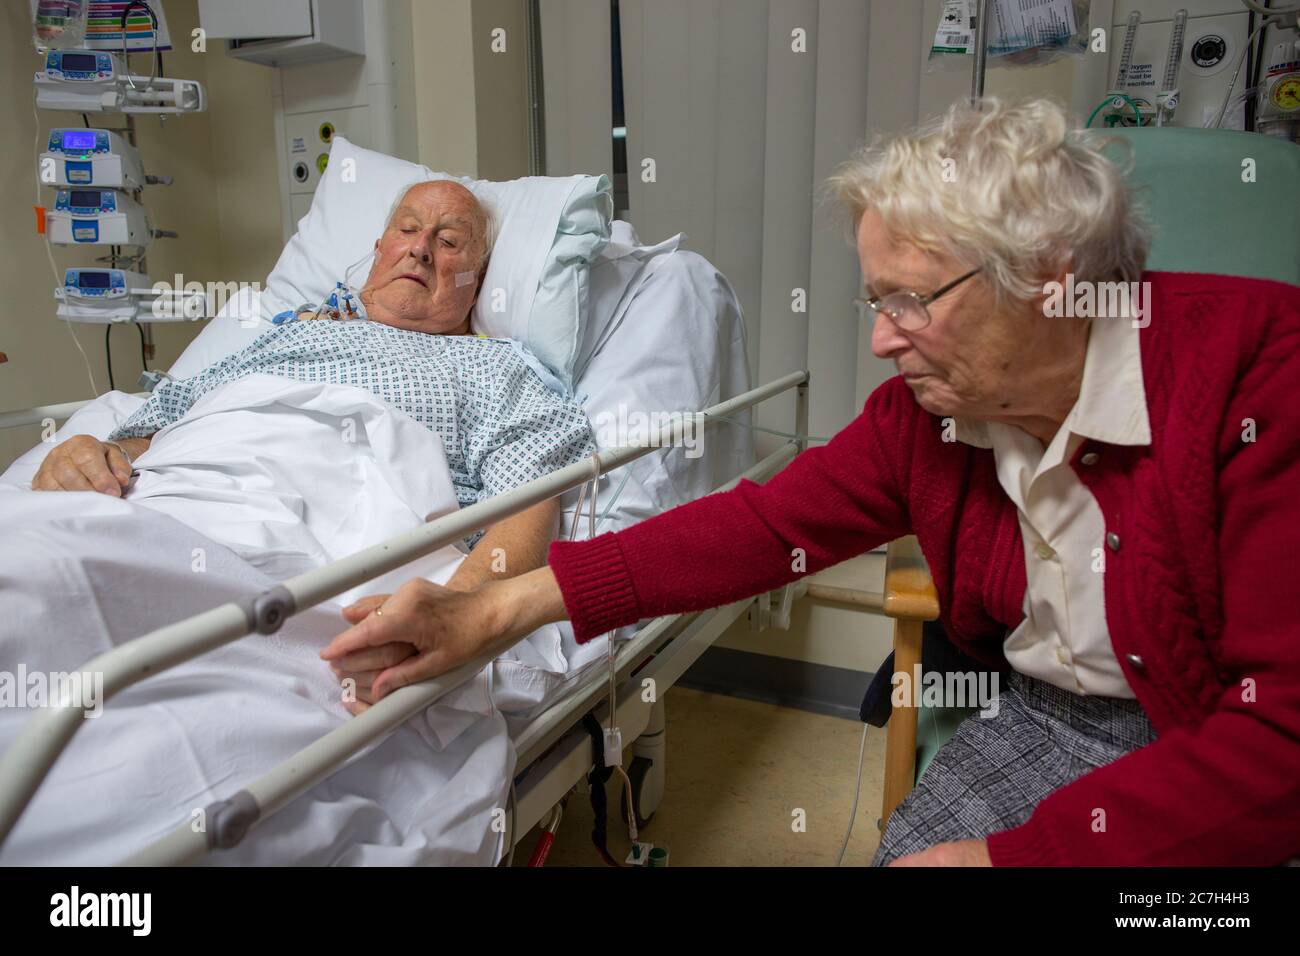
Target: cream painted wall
[[224, 203], [501, 89], [471, 102], [444, 82]]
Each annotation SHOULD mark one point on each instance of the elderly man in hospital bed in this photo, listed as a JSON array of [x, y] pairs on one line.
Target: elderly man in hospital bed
[[500, 425], [317, 440]]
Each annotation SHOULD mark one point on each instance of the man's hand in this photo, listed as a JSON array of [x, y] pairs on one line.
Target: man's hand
[[957, 853], [83, 463]]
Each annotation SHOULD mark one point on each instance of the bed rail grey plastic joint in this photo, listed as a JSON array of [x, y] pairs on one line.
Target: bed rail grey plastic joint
[[269, 610], [228, 821]]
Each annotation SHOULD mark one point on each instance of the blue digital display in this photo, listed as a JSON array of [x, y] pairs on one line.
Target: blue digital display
[[79, 139], [85, 198], [93, 280], [78, 62]]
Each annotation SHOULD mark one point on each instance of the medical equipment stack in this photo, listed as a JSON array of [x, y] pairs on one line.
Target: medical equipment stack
[[1219, 64], [1195, 63], [96, 171]]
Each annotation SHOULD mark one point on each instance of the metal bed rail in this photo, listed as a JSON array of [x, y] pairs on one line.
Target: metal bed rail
[[39, 414], [28, 760]]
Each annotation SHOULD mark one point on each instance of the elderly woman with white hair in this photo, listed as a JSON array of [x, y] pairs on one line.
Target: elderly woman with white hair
[[1107, 499]]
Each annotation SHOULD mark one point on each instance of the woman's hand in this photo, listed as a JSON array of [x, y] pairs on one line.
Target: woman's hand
[[424, 630], [364, 666], [419, 632], [956, 853], [83, 463]]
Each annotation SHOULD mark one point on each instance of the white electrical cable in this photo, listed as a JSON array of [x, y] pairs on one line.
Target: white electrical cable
[[1241, 59], [611, 658], [510, 857], [857, 792], [1270, 11]]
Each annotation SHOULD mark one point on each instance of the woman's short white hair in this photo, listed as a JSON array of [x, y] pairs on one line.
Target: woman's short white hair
[[1017, 189], [489, 216]]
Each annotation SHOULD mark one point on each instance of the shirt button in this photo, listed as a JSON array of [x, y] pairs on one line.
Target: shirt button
[[1136, 661], [1090, 458], [1112, 540], [1044, 552]]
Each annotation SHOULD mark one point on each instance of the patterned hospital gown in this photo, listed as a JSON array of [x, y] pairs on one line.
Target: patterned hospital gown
[[500, 425]]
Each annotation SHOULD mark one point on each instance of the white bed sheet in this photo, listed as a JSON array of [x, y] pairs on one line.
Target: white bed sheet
[[254, 485]]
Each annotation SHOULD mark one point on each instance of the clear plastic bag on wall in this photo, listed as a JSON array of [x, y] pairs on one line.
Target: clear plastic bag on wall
[[1021, 33]]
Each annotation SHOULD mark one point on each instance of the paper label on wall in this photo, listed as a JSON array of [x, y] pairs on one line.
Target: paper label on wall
[[299, 145], [1013, 25], [1141, 74], [956, 32]]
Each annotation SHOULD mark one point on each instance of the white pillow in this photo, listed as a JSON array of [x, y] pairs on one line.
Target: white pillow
[[235, 326], [549, 229], [673, 341]]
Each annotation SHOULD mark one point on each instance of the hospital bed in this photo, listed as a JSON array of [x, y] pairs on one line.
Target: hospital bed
[[553, 749], [552, 756]]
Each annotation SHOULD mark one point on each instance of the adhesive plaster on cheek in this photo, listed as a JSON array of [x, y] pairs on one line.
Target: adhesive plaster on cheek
[[465, 278]]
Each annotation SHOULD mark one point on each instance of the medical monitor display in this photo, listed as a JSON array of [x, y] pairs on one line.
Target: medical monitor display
[[78, 139]]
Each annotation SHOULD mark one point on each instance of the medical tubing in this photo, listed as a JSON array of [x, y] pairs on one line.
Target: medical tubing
[[1241, 59], [1137, 113], [1271, 11], [857, 792], [612, 732], [156, 68], [542, 850], [514, 839]]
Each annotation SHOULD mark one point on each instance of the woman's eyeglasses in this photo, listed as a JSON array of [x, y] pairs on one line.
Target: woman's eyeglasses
[[908, 310]]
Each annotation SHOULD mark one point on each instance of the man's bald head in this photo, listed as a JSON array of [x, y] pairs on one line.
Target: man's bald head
[[460, 197], [430, 260]]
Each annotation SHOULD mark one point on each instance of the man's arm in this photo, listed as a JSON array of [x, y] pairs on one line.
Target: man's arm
[[510, 547], [83, 463]]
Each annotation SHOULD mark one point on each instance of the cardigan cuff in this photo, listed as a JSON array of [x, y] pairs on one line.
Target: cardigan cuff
[[1026, 845], [596, 585]]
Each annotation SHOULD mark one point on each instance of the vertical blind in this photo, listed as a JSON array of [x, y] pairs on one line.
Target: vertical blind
[[736, 112]]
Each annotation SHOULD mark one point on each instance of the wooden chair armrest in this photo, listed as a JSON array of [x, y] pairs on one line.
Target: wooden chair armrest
[[909, 589], [910, 598]]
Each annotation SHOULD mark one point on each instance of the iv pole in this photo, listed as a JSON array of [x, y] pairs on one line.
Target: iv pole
[[981, 53]]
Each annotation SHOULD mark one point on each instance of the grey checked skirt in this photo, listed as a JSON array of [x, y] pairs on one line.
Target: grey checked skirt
[[994, 770]]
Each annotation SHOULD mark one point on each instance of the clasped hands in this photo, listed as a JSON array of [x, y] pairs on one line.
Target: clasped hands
[[418, 632]]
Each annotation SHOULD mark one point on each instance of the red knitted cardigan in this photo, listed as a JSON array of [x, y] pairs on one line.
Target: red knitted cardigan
[[1200, 598]]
